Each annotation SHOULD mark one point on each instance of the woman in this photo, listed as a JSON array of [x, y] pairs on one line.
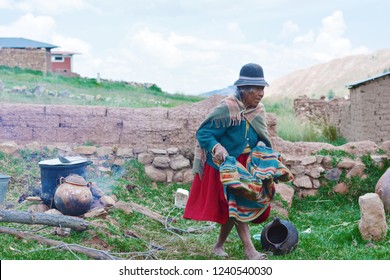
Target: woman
[[233, 128]]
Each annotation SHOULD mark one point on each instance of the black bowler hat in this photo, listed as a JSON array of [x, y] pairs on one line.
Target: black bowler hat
[[251, 74]]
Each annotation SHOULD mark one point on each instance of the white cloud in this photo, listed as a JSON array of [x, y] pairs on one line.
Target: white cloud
[[48, 7], [329, 42], [289, 29], [40, 28]]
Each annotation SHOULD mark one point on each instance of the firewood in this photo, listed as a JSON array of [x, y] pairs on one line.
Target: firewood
[[21, 217]]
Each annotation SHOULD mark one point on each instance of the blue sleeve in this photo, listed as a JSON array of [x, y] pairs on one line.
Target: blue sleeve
[[208, 135]]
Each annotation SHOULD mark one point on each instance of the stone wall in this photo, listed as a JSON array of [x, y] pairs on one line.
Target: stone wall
[[151, 127], [36, 59]]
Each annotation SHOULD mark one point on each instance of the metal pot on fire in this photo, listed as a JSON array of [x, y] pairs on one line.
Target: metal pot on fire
[[73, 196]]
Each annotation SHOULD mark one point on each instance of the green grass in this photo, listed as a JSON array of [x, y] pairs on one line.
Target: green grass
[[333, 219], [57, 89]]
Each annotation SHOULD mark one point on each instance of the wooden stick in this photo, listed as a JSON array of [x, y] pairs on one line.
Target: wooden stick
[[43, 219], [90, 252], [147, 212]]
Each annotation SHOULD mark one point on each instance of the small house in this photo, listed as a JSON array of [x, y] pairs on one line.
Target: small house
[[61, 62], [369, 112], [35, 55]]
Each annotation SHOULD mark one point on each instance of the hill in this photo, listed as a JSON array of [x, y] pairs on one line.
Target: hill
[[320, 79], [331, 76]]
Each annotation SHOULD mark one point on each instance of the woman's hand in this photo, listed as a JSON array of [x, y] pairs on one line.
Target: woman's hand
[[220, 152], [260, 144]]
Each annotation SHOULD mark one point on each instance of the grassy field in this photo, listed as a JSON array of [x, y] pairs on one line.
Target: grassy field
[[28, 86], [332, 218]]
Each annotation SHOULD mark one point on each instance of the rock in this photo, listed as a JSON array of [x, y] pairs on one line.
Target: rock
[[156, 174], [346, 164], [9, 147], [303, 182], [53, 212], [169, 175], [104, 151], [319, 158], [379, 160], [38, 208], [372, 224], [315, 172], [327, 162], [145, 158], [308, 160], [178, 177], [124, 152], [188, 176], [297, 169], [286, 192], [173, 151], [382, 188], [333, 174], [161, 162], [158, 151], [179, 162], [341, 188], [385, 146], [357, 170]]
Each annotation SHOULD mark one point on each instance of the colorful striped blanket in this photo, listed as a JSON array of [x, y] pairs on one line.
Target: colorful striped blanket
[[250, 190]]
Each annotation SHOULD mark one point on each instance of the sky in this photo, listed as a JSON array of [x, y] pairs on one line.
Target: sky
[[196, 46]]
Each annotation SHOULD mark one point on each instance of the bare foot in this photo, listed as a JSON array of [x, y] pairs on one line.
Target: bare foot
[[256, 256], [219, 252]]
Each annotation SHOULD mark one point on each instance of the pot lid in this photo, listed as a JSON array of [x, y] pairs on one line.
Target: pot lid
[[56, 161], [3, 176], [75, 179]]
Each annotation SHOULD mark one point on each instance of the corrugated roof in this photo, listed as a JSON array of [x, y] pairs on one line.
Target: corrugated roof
[[356, 84], [22, 43]]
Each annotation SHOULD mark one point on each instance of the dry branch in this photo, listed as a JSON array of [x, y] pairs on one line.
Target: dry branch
[[147, 212], [43, 219], [90, 252]]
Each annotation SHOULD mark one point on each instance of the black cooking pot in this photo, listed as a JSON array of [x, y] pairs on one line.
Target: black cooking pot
[[52, 170], [279, 236]]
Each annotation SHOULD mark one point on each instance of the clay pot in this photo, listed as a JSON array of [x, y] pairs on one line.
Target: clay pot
[[279, 236], [73, 196]]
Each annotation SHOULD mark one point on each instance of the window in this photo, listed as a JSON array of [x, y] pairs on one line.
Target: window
[[57, 58]]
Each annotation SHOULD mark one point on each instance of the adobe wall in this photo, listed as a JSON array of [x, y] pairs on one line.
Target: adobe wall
[[369, 112], [150, 127], [36, 59], [364, 116], [321, 110]]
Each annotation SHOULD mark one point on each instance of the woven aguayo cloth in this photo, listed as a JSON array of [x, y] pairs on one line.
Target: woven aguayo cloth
[[250, 190]]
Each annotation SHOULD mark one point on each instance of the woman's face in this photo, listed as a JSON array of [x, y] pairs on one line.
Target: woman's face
[[252, 97]]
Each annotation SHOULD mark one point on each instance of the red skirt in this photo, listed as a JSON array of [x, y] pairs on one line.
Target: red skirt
[[207, 200]]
